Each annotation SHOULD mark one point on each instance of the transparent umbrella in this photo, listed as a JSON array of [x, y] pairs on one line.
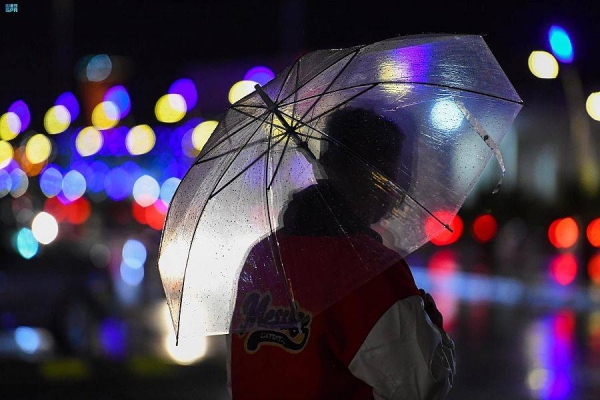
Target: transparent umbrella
[[315, 183]]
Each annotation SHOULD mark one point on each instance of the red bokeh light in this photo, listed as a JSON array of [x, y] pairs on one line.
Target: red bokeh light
[[594, 268], [155, 217], [445, 237], [78, 211], [563, 233], [593, 232], [563, 268], [139, 213], [485, 228]]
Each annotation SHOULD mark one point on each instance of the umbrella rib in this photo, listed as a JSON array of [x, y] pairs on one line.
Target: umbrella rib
[[357, 49], [277, 253], [287, 141], [375, 169], [246, 168], [202, 155], [408, 83], [296, 64], [252, 116], [248, 145]]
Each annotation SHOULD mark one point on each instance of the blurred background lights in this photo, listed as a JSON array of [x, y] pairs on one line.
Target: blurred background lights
[[593, 232], [105, 115], [240, 90], [170, 108], [73, 185], [44, 228], [594, 269], [484, 228], [444, 237], [132, 276], [118, 184], [560, 43], [202, 132], [563, 268], [134, 253], [261, 75], [186, 89], [140, 140], [10, 126], [26, 244], [51, 182], [57, 119], [69, 101], [5, 183], [38, 148], [592, 105], [98, 68], [20, 182], [168, 188], [6, 153], [89, 141], [22, 111], [446, 116], [543, 64], [146, 190], [28, 339], [119, 96], [563, 233]]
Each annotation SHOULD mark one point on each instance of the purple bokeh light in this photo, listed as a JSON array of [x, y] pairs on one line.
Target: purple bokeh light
[[68, 100], [20, 108], [186, 88]]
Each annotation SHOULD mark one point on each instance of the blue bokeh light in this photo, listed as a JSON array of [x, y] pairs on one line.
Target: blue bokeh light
[[186, 88], [69, 100], [73, 185], [28, 339], [118, 184], [119, 96], [261, 75], [51, 182], [26, 244], [130, 275], [97, 177], [134, 253], [561, 45], [5, 183], [167, 190], [20, 108]]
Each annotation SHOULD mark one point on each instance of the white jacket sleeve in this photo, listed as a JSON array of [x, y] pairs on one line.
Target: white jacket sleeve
[[405, 356]]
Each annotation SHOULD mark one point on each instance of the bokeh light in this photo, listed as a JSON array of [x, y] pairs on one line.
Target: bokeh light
[[140, 140], [44, 228], [202, 132], [240, 90], [38, 148], [22, 111], [89, 141], [445, 237], [261, 75], [563, 268], [155, 215], [105, 115], [57, 120], [446, 116], [186, 89], [10, 126], [592, 105], [5, 183], [593, 232], [560, 43], [594, 269], [134, 253], [51, 182], [98, 68], [543, 64], [27, 245], [69, 101], [132, 276], [20, 182], [484, 228], [146, 190], [563, 233], [168, 188], [170, 108], [118, 95], [6, 153], [73, 185], [118, 184]]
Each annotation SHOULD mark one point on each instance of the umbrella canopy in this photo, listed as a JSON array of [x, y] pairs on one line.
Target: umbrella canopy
[[313, 184]]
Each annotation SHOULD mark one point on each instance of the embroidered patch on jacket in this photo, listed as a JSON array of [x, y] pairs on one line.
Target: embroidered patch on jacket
[[262, 321]]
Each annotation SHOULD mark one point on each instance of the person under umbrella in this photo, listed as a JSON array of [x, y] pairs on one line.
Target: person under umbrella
[[385, 340]]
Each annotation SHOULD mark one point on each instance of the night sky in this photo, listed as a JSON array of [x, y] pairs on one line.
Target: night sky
[[41, 44]]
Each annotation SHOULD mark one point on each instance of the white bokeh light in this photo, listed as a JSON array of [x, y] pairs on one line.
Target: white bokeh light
[[44, 228]]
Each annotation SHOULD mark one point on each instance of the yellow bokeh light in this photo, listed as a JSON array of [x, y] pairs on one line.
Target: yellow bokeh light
[[6, 153], [57, 119], [202, 132], [89, 141], [140, 140], [38, 149], [592, 105], [10, 126], [106, 115], [170, 108], [543, 65], [240, 90]]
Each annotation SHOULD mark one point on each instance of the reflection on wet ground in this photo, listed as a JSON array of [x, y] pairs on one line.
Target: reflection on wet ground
[[517, 337]]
